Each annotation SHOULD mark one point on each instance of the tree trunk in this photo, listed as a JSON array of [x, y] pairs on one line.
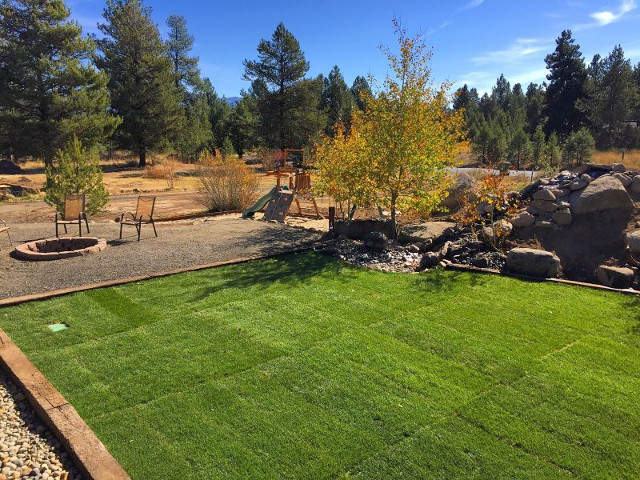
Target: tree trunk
[[394, 228], [142, 157]]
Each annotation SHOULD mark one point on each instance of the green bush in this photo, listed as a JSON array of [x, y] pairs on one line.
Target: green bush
[[579, 147], [74, 172]]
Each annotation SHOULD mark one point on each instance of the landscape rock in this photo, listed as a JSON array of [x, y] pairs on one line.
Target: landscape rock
[[522, 220], [633, 241], [586, 177], [618, 167], [485, 234], [562, 217], [616, 277], [544, 224], [376, 241], [604, 193], [624, 179], [544, 194], [635, 184], [545, 205], [429, 260], [578, 184], [463, 186], [532, 262]]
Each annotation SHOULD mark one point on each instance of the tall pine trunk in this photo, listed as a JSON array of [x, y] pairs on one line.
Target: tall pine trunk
[[142, 157]]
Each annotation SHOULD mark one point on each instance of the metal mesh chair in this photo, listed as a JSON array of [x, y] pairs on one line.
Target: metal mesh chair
[[143, 215], [5, 228], [73, 213]]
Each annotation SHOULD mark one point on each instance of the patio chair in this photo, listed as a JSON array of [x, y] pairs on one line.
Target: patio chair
[[143, 215], [4, 228], [73, 213]]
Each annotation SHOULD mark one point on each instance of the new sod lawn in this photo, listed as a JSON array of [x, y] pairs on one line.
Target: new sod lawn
[[301, 367]]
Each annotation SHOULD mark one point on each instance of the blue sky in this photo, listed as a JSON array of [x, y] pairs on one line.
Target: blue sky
[[474, 41]]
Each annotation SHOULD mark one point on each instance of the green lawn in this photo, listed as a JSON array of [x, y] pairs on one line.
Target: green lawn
[[301, 367]]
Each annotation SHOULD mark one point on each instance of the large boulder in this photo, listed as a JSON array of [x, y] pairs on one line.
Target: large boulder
[[463, 186], [532, 262], [603, 194], [616, 277]]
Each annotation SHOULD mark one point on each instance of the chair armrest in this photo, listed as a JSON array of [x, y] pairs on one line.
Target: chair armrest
[[133, 217], [58, 215]]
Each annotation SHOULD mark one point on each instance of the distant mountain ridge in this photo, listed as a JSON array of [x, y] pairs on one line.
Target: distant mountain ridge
[[232, 100]]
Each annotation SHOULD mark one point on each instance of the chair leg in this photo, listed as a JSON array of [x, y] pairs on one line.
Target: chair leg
[[86, 222], [154, 227], [80, 226], [120, 229], [65, 227], [10, 242], [57, 236], [139, 227]]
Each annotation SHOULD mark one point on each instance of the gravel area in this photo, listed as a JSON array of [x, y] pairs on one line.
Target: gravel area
[[179, 244], [27, 447]]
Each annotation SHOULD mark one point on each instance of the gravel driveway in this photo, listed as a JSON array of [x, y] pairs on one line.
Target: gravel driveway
[[179, 244]]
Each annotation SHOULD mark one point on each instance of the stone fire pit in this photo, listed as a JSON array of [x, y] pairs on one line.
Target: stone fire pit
[[57, 248]]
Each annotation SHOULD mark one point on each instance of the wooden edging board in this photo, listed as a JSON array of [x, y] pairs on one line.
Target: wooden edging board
[[87, 451], [90, 456], [493, 271]]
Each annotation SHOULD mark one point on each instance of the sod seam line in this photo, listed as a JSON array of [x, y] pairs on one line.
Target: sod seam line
[[87, 451]]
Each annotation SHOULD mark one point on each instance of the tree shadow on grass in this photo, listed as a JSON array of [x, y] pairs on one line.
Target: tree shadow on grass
[[286, 269], [439, 280]]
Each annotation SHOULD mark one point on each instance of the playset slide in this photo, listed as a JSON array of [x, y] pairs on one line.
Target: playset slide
[[259, 205]]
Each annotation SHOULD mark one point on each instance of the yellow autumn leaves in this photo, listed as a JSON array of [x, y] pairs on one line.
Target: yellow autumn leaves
[[397, 150]]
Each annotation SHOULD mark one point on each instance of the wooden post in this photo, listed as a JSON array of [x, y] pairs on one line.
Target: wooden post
[[332, 218]]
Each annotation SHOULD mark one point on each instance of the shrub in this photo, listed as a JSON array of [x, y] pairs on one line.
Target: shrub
[[226, 184], [74, 172], [269, 159], [166, 170]]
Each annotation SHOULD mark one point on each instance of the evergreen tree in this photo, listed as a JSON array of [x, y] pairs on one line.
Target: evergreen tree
[[49, 88], [567, 77], [612, 98], [196, 135], [534, 107], [280, 67], [337, 100], [553, 153], [219, 113], [73, 171], [538, 147], [360, 89], [141, 80], [579, 147], [520, 148], [502, 93], [242, 125]]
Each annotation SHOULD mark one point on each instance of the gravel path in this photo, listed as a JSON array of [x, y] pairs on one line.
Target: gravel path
[[27, 447], [179, 244]]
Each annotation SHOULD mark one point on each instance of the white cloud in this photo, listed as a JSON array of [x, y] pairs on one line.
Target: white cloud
[[472, 4], [515, 53], [606, 17]]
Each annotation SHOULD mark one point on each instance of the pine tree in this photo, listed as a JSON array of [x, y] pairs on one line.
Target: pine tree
[[142, 84], [242, 125], [538, 147], [520, 148], [360, 90], [281, 65], [49, 88], [196, 135], [567, 77], [219, 113], [534, 107], [337, 100], [502, 93], [579, 147], [612, 98], [73, 171], [553, 153]]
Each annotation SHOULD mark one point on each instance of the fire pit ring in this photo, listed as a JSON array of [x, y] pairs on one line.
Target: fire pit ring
[[57, 248]]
